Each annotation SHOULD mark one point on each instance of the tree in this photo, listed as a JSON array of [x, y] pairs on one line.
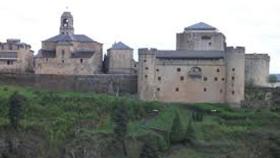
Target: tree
[[190, 133], [272, 79], [149, 151], [120, 120], [178, 129], [16, 102]]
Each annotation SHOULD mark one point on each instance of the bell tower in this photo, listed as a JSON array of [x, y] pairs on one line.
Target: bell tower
[[66, 24]]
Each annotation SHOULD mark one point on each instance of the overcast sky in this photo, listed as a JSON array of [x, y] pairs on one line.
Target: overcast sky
[[254, 24]]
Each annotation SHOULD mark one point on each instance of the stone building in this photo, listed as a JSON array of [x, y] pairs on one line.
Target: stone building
[[69, 53], [201, 69], [257, 69], [120, 59], [15, 57]]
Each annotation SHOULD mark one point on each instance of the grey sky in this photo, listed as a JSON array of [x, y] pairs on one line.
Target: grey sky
[[254, 24]]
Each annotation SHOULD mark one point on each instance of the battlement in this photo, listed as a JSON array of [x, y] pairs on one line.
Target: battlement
[[257, 56], [147, 51], [237, 49], [15, 42]]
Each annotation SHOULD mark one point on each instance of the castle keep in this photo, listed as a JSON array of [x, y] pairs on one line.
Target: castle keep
[[202, 68]]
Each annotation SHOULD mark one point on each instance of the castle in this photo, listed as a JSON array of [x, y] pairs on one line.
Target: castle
[[201, 69]]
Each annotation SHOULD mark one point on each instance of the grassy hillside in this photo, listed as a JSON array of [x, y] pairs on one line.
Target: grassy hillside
[[70, 124]]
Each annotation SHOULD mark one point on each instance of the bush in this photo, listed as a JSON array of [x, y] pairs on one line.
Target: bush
[[190, 133], [178, 129], [16, 103]]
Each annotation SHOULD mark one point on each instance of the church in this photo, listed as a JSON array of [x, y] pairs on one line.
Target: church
[[68, 53]]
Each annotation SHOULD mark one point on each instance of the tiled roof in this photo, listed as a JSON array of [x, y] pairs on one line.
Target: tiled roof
[[120, 45], [200, 26], [69, 38], [190, 54]]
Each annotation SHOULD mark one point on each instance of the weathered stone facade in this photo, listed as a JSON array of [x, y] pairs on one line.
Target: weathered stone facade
[[113, 84], [120, 59], [202, 69], [257, 69], [69, 53], [15, 57]]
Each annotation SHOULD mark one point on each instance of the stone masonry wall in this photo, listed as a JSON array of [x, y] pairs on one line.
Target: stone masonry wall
[[100, 83]]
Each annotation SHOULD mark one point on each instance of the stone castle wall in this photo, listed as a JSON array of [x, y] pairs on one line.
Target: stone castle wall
[[197, 40], [257, 69], [100, 83], [235, 69], [121, 61]]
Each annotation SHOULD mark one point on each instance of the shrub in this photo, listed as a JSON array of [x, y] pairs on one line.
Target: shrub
[[190, 133], [149, 151], [178, 129], [16, 102], [120, 119]]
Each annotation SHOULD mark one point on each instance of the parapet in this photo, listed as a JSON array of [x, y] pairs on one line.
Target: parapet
[[258, 56], [13, 41], [237, 49], [147, 51]]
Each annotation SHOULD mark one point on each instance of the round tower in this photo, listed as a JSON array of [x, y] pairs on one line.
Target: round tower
[[66, 24]]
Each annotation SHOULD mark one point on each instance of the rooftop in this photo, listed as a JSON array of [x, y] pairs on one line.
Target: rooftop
[[120, 45], [200, 26], [70, 38], [190, 54]]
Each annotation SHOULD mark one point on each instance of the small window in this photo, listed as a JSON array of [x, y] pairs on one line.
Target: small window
[[205, 89], [2, 46], [146, 76], [178, 69], [223, 79], [182, 78], [216, 78], [157, 70], [159, 78], [10, 47], [9, 62], [218, 70], [158, 89], [47, 59], [205, 78], [232, 92], [62, 61], [81, 60], [177, 89], [62, 53], [145, 60], [146, 68], [233, 69], [209, 43], [233, 78], [205, 37], [221, 91]]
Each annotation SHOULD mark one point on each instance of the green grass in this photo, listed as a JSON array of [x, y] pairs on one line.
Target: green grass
[[62, 116]]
